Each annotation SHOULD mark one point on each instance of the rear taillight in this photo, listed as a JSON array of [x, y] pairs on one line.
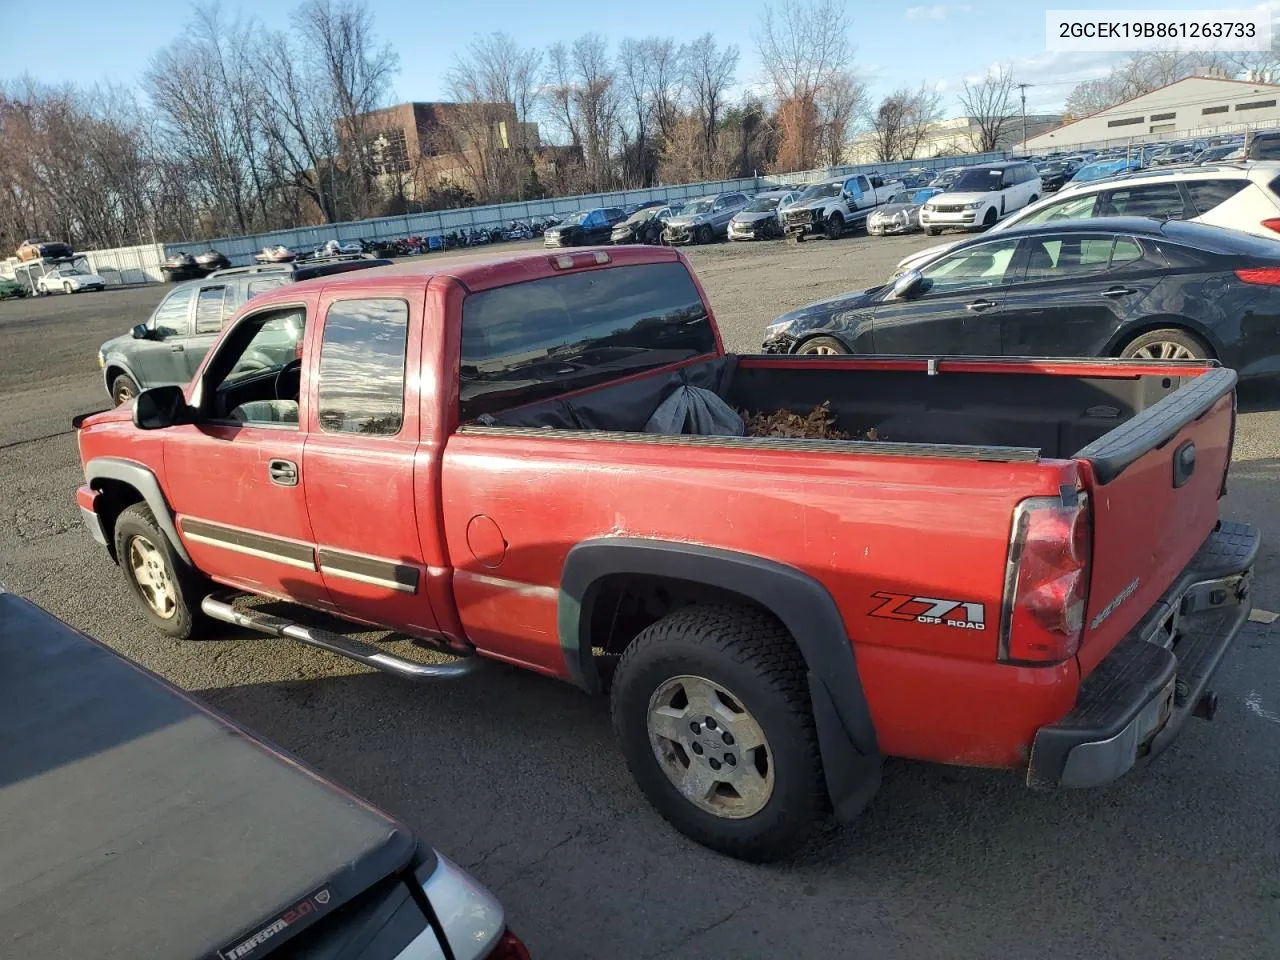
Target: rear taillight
[[508, 947], [1269, 276], [1047, 581], [1273, 224]]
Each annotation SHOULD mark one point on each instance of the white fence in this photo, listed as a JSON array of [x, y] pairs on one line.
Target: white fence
[[240, 250], [125, 265]]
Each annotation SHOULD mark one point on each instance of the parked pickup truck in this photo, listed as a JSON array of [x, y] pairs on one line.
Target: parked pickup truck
[[1023, 568], [828, 209], [138, 823]]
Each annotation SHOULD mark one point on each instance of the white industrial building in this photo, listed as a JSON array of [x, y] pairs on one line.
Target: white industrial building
[[1193, 107]]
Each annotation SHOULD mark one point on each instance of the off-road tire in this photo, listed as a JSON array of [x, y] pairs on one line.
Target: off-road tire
[[1198, 349], [835, 227], [188, 621], [748, 653], [123, 389]]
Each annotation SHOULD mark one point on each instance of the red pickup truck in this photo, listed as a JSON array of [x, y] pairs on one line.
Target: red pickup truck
[[1025, 569]]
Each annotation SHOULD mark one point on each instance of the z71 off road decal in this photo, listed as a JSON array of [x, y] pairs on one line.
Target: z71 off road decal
[[947, 613]]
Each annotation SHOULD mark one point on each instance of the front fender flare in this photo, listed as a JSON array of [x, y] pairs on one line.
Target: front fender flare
[[140, 477], [846, 734]]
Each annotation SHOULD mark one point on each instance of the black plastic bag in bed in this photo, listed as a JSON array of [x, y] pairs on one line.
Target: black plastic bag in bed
[[697, 411]]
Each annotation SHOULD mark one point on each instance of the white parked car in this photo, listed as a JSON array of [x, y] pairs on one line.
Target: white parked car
[[1238, 196], [70, 278], [982, 195]]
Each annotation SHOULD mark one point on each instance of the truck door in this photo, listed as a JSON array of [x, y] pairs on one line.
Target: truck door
[[232, 477], [358, 466]]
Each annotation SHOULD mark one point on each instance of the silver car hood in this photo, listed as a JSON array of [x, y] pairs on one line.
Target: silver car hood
[[687, 221], [753, 216]]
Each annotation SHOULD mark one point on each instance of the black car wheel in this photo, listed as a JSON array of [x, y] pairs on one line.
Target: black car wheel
[[703, 234], [932, 231], [835, 227], [821, 347], [1166, 344], [990, 219]]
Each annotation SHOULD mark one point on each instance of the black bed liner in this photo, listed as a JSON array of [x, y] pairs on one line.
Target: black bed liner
[[134, 822]]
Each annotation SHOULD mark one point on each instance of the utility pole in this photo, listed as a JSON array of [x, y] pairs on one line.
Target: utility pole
[[1022, 87]]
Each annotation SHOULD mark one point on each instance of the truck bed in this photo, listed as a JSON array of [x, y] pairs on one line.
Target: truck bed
[[974, 403], [138, 823]]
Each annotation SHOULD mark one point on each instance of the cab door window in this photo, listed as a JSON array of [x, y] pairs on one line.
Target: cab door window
[[172, 317]]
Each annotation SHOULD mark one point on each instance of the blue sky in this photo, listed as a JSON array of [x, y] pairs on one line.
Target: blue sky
[[896, 43]]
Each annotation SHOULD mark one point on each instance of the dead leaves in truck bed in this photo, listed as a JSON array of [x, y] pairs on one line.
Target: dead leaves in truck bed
[[818, 424]]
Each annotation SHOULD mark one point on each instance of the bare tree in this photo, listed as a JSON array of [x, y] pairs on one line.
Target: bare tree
[[633, 74], [664, 81], [989, 103], [596, 104], [841, 101], [803, 47], [708, 71], [336, 40], [901, 122]]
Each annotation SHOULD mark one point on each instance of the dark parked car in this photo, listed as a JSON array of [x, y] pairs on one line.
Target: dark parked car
[[947, 177], [170, 345], [184, 266], [584, 227], [643, 226], [1263, 146], [633, 208], [1114, 287], [1055, 173]]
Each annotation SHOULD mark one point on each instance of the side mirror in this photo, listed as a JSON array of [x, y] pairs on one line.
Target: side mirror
[[903, 288], [140, 332], [160, 407]]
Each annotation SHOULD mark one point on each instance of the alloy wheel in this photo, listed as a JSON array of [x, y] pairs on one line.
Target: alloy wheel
[[1164, 350], [151, 573], [710, 747]]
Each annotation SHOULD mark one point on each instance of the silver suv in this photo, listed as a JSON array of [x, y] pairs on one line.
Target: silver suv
[[169, 346], [704, 219]]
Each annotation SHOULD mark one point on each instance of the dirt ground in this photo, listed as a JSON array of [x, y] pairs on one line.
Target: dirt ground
[[518, 777]]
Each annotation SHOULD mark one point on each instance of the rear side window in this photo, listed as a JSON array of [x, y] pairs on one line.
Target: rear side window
[[209, 309], [1073, 208], [262, 286], [533, 340], [1264, 148], [362, 367], [1067, 257], [1207, 194], [1159, 200]]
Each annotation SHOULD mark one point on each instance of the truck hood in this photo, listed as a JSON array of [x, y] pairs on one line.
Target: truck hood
[[117, 343], [817, 203]]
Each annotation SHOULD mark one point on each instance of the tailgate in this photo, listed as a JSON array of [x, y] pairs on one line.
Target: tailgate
[[1154, 484]]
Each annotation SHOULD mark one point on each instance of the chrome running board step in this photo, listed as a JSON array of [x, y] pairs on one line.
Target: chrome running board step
[[218, 606]]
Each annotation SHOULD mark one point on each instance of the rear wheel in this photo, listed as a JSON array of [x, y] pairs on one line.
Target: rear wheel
[[168, 588], [835, 227], [711, 705], [1167, 344], [821, 347], [123, 389]]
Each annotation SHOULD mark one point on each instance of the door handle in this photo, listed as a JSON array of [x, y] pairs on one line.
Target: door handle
[[176, 347], [977, 306], [1118, 292], [283, 473]]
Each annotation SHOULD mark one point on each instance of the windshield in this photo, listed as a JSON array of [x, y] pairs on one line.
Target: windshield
[[72, 270], [946, 178], [641, 215], [977, 181], [920, 196], [697, 206], [761, 205], [576, 218], [819, 190]]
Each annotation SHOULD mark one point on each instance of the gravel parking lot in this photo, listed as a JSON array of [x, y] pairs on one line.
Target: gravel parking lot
[[518, 778]]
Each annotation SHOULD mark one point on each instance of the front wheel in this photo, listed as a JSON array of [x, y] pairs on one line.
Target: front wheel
[[123, 389], [835, 227], [1168, 344], [68, 289], [704, 234], [169, 590], [821, 347], [932, 231], [711, 705], [989, 220]]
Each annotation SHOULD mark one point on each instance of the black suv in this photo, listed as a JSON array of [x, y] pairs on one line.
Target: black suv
[[170, 345]]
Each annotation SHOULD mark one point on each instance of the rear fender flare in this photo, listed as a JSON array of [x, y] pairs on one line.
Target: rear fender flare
[[803, 605], [144, 481]]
